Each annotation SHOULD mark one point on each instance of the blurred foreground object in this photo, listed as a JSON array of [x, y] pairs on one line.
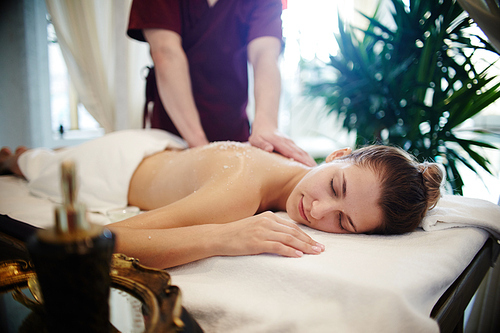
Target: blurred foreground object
[[72, 262]]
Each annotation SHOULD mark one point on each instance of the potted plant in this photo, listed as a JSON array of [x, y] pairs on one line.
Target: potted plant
[[412, 83]]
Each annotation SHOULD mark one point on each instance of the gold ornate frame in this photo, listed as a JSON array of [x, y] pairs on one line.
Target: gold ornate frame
[[151, 286]]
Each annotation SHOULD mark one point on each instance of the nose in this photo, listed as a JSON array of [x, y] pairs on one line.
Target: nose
[[321, 208]]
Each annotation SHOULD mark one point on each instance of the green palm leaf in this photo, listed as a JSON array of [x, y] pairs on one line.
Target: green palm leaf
[[414, 84]]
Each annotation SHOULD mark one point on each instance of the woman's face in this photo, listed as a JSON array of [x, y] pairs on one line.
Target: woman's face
[[337, 197]]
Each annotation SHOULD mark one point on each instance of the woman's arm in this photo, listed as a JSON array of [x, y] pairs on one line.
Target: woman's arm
[[222, 201], [214, 220], [263, 233]]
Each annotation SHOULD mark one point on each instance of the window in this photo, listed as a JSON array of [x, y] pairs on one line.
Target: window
[[308, 30], [69, 118]]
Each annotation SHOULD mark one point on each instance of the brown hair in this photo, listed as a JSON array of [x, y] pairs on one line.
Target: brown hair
[[408, 188]]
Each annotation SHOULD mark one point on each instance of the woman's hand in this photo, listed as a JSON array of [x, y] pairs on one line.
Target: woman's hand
[[263, 233]]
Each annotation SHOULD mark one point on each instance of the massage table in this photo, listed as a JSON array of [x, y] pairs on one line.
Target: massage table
[[418, 282]]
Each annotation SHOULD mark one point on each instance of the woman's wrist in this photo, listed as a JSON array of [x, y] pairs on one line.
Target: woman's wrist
[[210, 242]]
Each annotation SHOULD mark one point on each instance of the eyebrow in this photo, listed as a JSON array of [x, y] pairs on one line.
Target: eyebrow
[[344, 191]]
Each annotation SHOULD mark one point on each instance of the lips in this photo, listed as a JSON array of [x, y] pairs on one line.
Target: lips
[[301, 209]]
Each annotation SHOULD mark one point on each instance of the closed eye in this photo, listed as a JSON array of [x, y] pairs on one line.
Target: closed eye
[[333, 188]]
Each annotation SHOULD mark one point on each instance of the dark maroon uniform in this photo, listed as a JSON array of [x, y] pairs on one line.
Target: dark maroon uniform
[[215, 40]]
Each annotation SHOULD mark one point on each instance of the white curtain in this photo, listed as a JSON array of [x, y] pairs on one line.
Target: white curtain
[[103, 63]]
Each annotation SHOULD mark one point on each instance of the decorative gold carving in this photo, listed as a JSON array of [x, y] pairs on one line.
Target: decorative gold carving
[[152, 287]]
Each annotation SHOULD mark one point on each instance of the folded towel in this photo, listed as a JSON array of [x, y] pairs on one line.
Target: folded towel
[[456, 211]]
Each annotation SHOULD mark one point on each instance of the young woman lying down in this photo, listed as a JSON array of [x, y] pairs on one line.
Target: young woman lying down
[[218, 200]]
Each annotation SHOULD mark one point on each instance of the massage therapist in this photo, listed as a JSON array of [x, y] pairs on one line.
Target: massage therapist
[[199, 83]]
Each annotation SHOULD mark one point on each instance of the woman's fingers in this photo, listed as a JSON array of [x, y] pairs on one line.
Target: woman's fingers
[[268, 233], [289, 234], [280, 241]]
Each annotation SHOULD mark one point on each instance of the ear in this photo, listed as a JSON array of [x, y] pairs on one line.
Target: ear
[[338, 153]]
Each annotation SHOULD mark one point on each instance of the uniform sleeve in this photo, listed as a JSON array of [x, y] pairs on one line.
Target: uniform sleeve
[[153, 14], [265, 19]]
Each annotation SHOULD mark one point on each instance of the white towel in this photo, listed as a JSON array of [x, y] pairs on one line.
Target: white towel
[[104, 166], [456, 211]]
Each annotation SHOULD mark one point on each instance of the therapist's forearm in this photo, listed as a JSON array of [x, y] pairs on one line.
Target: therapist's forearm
[[267, 89], [174, 86]]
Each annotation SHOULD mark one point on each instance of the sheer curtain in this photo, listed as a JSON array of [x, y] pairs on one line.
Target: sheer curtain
[[103, 63]]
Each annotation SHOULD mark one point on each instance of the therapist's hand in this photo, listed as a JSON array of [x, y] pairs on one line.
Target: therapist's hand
[[273, 140]]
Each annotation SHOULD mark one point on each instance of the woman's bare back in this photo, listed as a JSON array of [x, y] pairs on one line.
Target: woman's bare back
[[235, 168]]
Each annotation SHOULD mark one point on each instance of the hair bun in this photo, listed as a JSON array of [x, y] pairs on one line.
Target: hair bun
[[432, 176]]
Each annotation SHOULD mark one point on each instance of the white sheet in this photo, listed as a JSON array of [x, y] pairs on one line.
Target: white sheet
[[359, 284]]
